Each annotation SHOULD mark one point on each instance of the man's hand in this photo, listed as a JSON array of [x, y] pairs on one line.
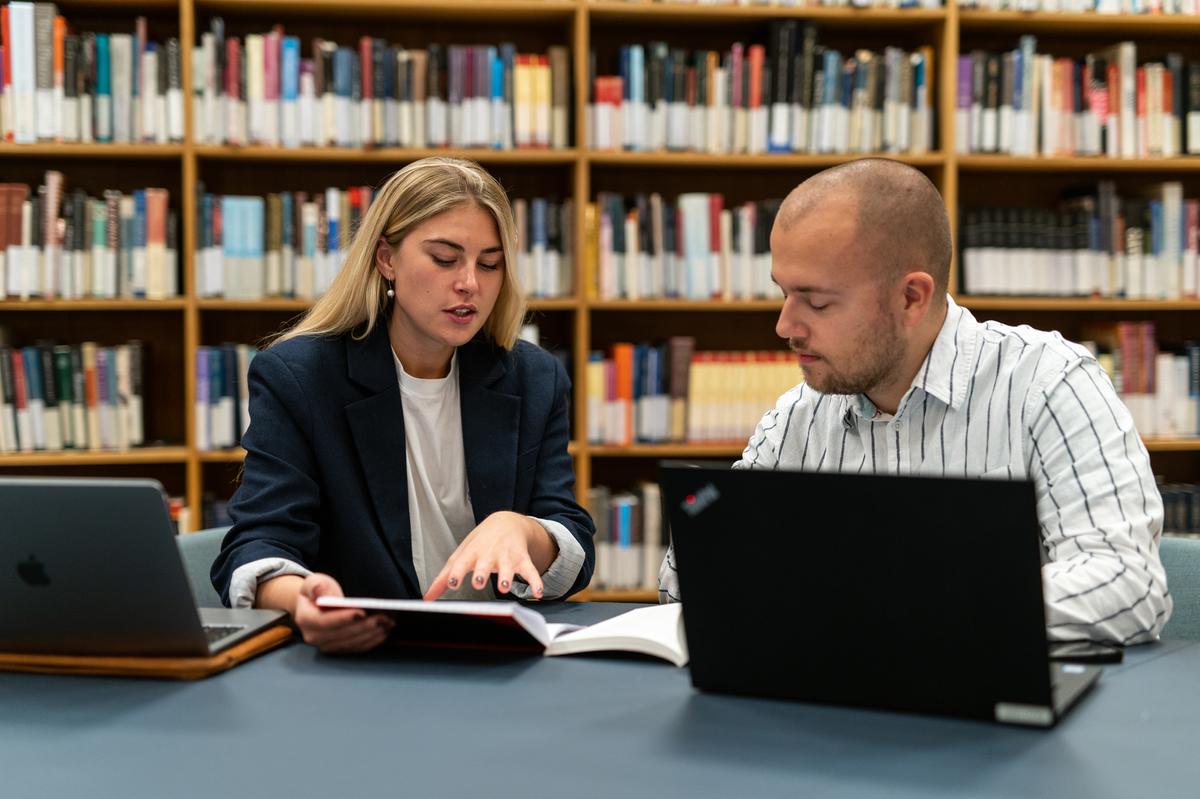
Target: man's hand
[[336, 629], [505, 544]]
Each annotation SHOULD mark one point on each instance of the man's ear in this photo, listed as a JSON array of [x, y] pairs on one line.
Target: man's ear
[[918, 295]]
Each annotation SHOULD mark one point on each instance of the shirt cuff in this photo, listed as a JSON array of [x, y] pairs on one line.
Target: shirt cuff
[[243, 586], [558, 579]]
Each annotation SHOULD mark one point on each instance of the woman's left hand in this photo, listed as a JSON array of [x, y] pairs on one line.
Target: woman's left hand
[[505, 544]]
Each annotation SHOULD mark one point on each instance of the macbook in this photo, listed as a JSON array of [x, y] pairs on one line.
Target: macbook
[[91, 566], [904, 593]]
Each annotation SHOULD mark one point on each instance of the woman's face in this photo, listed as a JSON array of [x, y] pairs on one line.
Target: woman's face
[[448, 272]]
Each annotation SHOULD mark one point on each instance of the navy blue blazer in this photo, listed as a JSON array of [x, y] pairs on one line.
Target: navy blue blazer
[[325, 481]]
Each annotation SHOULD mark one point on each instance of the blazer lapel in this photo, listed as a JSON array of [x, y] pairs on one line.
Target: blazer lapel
[[377, 424], [490, 419]]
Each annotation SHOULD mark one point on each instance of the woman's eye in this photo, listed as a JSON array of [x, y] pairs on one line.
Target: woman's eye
[[489, 267], [443, 261]]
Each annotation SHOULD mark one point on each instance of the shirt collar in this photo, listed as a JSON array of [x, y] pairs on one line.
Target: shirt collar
[[944, 373]]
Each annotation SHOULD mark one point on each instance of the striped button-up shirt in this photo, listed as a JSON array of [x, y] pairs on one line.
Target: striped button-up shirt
[[997, 401]]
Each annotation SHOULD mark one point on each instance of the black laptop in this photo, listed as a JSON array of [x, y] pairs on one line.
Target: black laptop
[[91, 567], [903, 593]]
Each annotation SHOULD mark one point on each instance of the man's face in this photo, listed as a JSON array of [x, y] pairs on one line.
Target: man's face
[[835, 315]]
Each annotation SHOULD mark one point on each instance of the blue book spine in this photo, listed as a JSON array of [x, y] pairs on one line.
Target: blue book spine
[[289, 66], [203, 396], [228, 217], [1018, 80], [139, 241], [342, 72], [255, 231], [33, 373], [625, 524], [103, 105], [1156, 227]]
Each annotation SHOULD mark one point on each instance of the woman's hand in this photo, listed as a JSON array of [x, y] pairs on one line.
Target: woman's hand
[[336, 629], [505, 544]]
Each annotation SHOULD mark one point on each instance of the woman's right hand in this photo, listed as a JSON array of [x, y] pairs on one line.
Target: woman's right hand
[[336, 629]]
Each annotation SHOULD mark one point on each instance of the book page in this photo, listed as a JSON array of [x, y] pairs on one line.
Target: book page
[[655, 631]]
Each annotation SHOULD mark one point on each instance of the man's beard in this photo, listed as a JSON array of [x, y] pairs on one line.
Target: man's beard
[[879, 354]]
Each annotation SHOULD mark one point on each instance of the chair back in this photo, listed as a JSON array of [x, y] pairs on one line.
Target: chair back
[[199, 550], [1181, 559]]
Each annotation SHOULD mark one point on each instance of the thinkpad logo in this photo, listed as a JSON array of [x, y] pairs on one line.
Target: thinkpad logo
[[697, 503]]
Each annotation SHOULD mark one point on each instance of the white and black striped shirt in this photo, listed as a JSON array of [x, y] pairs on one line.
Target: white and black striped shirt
[[997, 401]]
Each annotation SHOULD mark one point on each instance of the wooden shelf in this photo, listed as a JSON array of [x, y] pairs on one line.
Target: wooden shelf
[[1154, 444], [739, 161], [1014, 163], [134, 456], [685, 305], [388, 155], [552, 304], [222, 455], [1126, 26], [733, 449], [74, 150], [274, 304], [623, 595], [456, 10], [92, 305], [639, 12], [1073, 304]]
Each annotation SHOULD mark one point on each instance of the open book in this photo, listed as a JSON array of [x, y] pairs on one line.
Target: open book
[[656, 631]]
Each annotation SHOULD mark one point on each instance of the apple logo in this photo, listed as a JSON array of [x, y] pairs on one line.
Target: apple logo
[[33, 572]]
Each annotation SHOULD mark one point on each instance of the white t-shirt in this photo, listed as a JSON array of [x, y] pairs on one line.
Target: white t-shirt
[[439, 502]]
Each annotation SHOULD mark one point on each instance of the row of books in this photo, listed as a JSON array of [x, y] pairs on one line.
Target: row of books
[[666, 391], [291, 244], [794, 95], [1155, 7], [258, 89], [1161, 388], [56, 397], [222, 405], [696, 248], [1095, 245], [631, 538], [64, 244], [1021, 102], [59, 85], [1181, 509]]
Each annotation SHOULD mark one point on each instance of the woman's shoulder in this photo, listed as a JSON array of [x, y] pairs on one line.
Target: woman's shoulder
[[308, 354], [531, 356]]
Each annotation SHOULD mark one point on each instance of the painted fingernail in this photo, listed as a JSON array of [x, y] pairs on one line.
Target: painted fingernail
[[504, 584], [479, 579], [452, 582]]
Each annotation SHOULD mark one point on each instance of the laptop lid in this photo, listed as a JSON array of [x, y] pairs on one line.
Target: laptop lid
[[896, 592], [91, 566]]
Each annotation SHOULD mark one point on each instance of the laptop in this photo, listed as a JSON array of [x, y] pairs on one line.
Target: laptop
[[91, 567], [902, 593]]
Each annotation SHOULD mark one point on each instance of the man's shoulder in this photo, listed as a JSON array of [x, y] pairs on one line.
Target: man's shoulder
[[1033, 351]]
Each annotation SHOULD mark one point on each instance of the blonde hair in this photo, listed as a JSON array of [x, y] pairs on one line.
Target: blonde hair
[[419, 191]]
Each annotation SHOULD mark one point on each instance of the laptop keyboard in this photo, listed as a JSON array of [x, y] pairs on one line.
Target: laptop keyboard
[[216, 633]]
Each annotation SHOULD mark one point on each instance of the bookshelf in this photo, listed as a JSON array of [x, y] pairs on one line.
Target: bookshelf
[[578, 323]]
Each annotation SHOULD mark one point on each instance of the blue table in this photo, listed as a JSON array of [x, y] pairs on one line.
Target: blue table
[[294, 722]]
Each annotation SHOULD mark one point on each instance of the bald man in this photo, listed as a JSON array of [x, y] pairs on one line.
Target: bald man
[[898, 379]]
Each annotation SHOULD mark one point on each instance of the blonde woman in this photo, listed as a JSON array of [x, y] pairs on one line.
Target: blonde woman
[[403, 443]]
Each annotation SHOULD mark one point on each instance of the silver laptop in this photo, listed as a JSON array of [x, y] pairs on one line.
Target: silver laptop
[[91, 566]]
